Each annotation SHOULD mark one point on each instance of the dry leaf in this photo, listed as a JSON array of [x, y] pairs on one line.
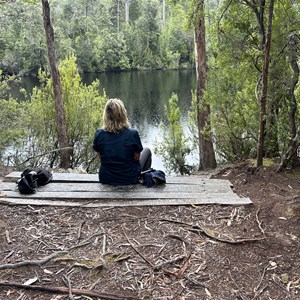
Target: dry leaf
[[30, 281]]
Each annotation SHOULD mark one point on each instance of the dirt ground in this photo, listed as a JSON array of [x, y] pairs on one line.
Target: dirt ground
[[164, 252]]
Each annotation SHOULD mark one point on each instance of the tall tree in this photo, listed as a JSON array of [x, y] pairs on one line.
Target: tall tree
[[65, 157], [206, 149], [264, 91], [127, 5]]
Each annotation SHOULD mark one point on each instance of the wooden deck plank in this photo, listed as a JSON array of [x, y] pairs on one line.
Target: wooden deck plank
[[150, 202], [84, 190], [97, 187], [117, 195], [74, 177]]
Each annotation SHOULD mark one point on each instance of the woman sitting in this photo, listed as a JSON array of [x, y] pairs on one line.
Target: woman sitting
[[119, 147]]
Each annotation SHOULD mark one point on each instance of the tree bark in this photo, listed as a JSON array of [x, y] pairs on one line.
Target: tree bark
[[263, 98], [61, 127], [127, 5], [293, 46], [206, 150], [163, 12]]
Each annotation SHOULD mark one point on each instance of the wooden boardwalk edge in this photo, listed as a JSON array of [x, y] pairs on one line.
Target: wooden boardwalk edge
[[84, 190], [124, 203]]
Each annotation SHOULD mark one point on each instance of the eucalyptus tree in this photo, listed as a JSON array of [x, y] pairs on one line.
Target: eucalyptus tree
[[264, 88], [206, 149], [65, 154], [196, 21]]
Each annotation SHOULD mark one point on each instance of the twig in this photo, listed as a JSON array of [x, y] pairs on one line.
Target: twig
[[38, 262], [39, 155], [84, 242], [208, 233], [169, 262], [7, 237], [259, 223], [238, 289], [67, 278], [63, 290], [9, 254], [44, 260], [212, 236], [134, 248], [261, 279], [186, 262], [79, 230], [234, 282]]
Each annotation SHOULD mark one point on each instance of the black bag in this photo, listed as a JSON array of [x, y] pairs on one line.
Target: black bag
[[27, 184], [43, 177], [30, 180], [153, 177]]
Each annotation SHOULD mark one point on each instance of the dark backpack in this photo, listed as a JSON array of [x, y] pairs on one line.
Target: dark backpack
[[43, 177], [30, 180], [27, 184]]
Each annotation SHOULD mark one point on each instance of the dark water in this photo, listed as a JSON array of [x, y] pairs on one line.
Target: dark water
[[145, 94]]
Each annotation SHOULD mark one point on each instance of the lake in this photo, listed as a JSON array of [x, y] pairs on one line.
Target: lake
[[145, 94]]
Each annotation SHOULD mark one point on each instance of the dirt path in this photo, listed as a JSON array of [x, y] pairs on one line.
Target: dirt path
[[181, 252]]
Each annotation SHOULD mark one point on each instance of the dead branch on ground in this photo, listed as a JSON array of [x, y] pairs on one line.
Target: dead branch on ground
[[212, 234], [63, 290], [40, 262]]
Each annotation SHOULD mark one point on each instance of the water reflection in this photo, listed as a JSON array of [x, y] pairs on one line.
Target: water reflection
[[145, 95]]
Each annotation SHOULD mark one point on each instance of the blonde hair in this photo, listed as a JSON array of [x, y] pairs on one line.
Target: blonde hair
[[115, 116]]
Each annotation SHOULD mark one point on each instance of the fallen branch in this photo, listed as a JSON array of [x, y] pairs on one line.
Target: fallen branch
[[63, 290], [38, 262], [214, 234]]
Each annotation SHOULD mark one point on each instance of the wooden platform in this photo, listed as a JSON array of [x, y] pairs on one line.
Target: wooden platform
[[84, 190]]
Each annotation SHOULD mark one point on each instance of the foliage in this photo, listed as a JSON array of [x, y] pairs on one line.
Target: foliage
[[96, 32], [235, 64], [83, 110], [12, 121], [175, 146]]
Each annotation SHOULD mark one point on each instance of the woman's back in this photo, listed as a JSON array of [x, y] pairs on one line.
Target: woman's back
[[118, 165]]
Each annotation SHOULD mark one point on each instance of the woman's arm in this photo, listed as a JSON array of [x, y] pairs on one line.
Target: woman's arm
[[136, 155]]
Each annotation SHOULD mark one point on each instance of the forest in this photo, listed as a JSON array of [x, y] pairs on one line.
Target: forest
[[246, 97], [106, 35]]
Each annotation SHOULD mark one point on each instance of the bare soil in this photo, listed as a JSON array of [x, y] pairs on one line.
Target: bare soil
[[164, 252]]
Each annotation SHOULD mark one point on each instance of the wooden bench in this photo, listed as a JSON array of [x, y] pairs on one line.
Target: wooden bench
[[84, 190]]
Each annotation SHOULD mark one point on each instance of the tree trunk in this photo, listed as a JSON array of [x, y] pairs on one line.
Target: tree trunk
[[127, 4], [263, 98], [65, 158], [118, 16], [293, 46], [206, 150], [164, 12]]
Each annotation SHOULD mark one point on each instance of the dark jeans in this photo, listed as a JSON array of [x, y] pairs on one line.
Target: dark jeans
[[146, 159]]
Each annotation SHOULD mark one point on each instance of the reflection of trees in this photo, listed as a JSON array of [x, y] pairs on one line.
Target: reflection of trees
[[145, 94]]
